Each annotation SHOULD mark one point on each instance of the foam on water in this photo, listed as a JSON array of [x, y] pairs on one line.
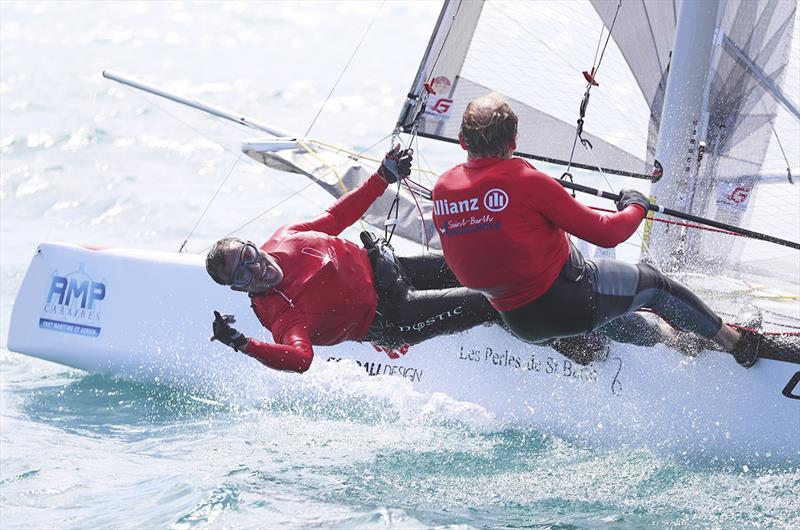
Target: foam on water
[[351, 457]]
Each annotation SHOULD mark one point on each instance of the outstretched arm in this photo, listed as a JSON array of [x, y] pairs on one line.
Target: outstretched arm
[[346, 210], [352, 205], [294, 354], [602, 229]]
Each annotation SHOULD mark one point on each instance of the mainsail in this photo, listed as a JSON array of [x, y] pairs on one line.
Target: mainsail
[[749, 124]]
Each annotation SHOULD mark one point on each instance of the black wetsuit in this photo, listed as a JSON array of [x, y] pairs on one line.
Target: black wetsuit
[[419, 298], [589, 294]]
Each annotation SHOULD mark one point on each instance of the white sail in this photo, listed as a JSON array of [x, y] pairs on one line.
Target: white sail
[[748, 125], [534, 53]]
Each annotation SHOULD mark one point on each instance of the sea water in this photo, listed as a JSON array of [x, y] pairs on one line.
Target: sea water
[[86, 160]]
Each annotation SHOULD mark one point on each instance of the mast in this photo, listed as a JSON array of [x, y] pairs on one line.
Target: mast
[[682, 135], [457, 22]]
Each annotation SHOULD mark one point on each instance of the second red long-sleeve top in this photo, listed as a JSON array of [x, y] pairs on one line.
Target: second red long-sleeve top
[[503, 228], [327, 295]]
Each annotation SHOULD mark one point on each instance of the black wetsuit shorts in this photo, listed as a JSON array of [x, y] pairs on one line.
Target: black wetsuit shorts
[[588, 294]]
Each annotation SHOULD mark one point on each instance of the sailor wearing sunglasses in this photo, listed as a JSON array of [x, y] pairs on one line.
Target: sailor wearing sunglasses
[[310, 287]]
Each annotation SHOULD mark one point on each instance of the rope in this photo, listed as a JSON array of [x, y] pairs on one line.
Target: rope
[[324, 163], [785, 159], [733, 325], [363, 35], [585, 100], [330, 168], [768, 333], [213, 197], [685, 224], [679, 223], [394, 208], [377, 161], [312, 183]]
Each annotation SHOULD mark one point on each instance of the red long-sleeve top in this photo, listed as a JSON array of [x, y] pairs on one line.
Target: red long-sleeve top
[[327, 294], [504, 225]]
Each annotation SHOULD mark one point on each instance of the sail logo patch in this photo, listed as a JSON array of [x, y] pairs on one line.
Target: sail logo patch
[[495, 200], [73, 304], [439, 109], [439, 105], [739, 195], [734, 196], [442, 105]]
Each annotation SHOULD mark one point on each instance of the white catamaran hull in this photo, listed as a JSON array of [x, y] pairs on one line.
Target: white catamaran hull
[[146, 316]]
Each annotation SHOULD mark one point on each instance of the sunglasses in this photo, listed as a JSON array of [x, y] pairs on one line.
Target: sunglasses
[[242, 275]]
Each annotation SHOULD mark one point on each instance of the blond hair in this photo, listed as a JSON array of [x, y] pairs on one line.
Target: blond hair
[[489, 126]]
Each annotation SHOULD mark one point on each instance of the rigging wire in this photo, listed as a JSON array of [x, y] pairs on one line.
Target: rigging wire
[[213, 140], [312, 183], [210, 201], [785, 158], [420, 170], [590, 81], [239, 155], [420, 107], [377, 161], [392, 216], [422, 100], [600, 38], [363, 35], [198, 132], [596, 69], [642, 241], [419, 208]]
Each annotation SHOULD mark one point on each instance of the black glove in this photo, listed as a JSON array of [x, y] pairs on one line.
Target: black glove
[[227, 334], [396, 164], [628, 197]]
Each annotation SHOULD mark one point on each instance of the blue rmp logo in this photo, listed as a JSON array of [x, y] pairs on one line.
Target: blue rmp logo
[[68, 290], [73, 304]]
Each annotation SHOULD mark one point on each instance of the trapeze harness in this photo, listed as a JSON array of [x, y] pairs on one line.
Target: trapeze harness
[[419, 298]]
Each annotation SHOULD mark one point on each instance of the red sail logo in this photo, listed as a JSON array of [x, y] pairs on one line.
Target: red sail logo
[[443, 105], [739, 194]]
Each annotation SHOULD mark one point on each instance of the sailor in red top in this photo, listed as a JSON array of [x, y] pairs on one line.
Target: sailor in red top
[[504, 229], [310, 287]]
